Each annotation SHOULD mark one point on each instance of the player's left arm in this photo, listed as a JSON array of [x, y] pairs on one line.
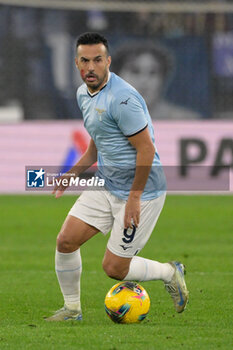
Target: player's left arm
[[145, 154]]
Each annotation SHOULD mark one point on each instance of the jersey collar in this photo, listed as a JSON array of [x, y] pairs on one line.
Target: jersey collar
[[95, 93]]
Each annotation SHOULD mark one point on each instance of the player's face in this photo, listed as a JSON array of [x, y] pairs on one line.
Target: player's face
[[93, 63]]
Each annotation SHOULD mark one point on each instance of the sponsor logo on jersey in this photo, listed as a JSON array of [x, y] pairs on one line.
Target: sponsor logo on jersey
[[125, 102], [125, 247]]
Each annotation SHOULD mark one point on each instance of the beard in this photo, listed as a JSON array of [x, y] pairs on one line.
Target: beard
[[95, 85]]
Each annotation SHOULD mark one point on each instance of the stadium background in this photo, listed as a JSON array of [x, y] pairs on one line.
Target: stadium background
[[194, 77], [37, 51]]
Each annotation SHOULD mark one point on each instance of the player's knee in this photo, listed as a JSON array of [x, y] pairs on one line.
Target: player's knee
[[114, 271], [64, 244]]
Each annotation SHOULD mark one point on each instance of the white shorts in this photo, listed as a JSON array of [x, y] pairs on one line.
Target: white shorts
[[105, 211]]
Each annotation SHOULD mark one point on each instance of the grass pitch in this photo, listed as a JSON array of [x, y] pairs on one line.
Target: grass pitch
[[198, 230]]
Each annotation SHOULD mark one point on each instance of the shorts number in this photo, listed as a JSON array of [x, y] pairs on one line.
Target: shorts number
[[128, 237]]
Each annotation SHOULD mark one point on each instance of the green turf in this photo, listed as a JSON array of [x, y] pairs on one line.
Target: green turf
[[198, 230]]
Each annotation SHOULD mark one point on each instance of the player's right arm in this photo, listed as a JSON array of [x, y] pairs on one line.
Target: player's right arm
[[86, 161]]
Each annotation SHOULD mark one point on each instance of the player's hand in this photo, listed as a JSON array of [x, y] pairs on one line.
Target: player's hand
[[61, 185], [132, 212], [58, 192]]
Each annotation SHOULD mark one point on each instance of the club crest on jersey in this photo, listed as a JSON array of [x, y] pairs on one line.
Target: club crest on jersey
[[100, 112]]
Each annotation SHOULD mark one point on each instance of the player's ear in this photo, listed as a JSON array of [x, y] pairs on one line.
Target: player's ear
[[109, 60], [76, 61]]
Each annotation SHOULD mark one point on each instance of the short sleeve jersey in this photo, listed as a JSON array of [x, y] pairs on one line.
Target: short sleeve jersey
[[111, 116]]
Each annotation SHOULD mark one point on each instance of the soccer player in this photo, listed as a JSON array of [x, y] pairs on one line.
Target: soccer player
[[122, 142]]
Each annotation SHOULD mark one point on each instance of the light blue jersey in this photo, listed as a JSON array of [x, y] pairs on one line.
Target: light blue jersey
[[110, 116]]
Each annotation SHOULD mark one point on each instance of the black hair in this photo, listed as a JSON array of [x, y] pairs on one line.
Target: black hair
[[91, 38]]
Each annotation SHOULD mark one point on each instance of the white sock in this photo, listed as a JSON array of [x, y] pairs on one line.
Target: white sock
[[141, 269], [68, 269]]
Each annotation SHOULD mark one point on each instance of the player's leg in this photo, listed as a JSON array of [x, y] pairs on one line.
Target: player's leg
[[68, 266], [141, 269], [136, 268], [89, 215], [126, 244], [121, 263]]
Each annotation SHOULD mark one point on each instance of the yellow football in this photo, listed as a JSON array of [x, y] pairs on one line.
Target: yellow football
[[127, 302]]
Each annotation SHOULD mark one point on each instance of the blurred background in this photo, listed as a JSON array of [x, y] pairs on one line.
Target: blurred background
[[188, 49], [178, 54]]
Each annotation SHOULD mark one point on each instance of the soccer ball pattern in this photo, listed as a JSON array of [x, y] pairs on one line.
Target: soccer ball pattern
[[127, 302]]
